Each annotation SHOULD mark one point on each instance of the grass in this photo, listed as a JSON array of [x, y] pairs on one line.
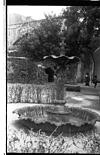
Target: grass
[[38, 142]]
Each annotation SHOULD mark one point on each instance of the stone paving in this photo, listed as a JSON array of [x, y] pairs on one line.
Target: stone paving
[[83, 100]]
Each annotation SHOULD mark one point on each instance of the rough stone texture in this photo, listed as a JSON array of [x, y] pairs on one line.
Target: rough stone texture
[[24, 71]]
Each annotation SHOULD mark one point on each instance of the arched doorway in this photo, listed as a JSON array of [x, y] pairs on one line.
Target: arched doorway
[[50, 73]]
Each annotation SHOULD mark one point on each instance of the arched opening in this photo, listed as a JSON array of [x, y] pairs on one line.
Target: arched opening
[[50, 73], [97, 63]]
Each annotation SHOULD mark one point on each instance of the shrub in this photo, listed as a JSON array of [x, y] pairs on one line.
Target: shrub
[[20, 142]]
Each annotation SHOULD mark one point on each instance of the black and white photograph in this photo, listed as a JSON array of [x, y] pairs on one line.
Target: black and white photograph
[[53, 79]]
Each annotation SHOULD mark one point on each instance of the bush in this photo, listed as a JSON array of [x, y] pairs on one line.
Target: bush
[[30, 93], [20, 142]]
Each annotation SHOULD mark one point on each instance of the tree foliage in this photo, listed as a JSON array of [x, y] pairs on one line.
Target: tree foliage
[[41, 41], [81, 37], [83, 27]]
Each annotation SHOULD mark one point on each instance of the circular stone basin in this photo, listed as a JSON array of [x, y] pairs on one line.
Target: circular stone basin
[[58, 115]]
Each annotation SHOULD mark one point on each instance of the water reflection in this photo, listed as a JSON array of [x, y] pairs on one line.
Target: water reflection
[[65, 130]]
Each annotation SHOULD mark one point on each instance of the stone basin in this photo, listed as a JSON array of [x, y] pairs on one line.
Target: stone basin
[[58, 115]]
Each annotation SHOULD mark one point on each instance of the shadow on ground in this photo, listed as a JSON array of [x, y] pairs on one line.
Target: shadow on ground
[[95, 104], [66, 130]]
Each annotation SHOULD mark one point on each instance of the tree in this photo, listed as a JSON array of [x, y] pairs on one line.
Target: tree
[[41, 41], [83, 31], [83, 23]]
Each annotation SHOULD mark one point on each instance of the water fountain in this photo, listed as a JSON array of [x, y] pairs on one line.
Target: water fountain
[[58, 112]]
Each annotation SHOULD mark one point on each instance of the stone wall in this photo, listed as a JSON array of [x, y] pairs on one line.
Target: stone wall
[[25, 71], [15, 31]]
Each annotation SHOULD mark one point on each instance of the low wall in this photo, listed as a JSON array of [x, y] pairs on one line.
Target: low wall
[[31, 93]]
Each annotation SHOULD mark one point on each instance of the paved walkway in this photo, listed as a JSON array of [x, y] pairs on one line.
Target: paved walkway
[[81, 99], [87, 89]]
